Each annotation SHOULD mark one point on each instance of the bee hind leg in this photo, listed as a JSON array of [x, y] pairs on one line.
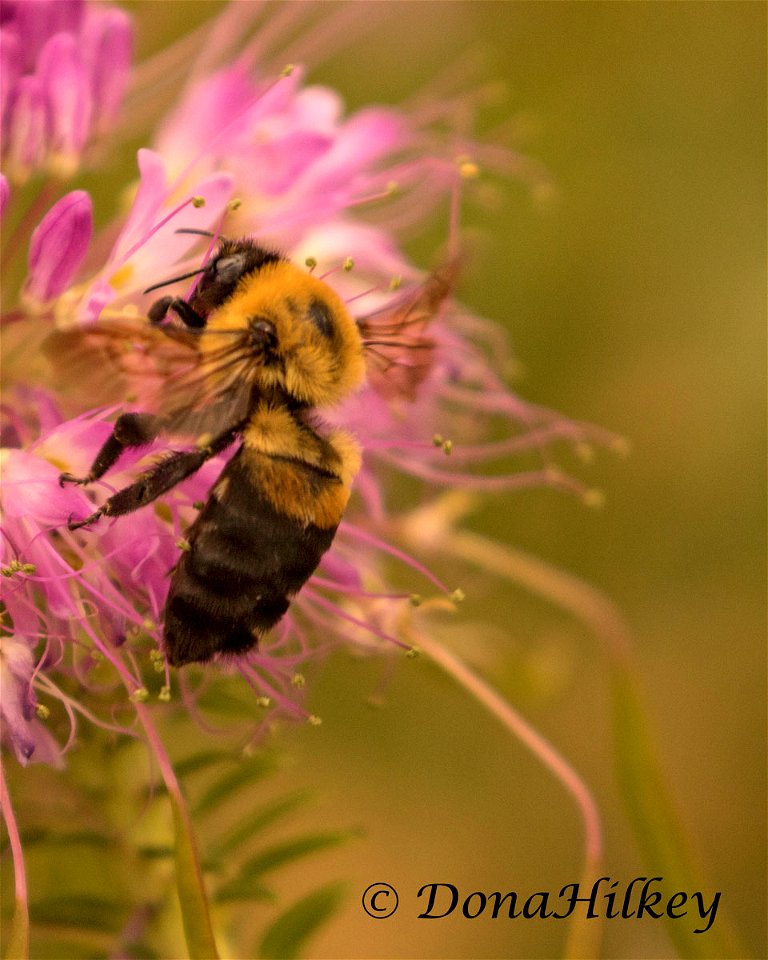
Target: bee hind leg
[[76, 524], [130, 430], [164, 475]]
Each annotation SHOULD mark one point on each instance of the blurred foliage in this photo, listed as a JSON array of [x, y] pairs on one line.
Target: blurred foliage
[[103, 853]]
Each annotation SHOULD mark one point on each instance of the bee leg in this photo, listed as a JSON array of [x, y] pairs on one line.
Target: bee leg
[[188, 316], [75, 524], [160, 308], [148, 486], [171, 470], [130, 430]]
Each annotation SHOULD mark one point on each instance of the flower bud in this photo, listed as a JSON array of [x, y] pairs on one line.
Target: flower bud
[[26, 119], [106, 47], [16, 666], [39, 20], [10, 64], [58, 246], [67, 90]]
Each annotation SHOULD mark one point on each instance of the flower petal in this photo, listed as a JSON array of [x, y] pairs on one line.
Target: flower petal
[[58, 246], [25, 128], [68, 96], [106, 45]]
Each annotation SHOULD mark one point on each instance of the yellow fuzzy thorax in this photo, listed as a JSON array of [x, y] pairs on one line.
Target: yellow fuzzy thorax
[[313, 367]]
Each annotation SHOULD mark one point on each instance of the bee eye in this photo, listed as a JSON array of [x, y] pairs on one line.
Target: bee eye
[[322, 318], [263, 335], [228, 268]]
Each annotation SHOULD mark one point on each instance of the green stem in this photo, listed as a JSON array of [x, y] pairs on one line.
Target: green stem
[[190, 886]]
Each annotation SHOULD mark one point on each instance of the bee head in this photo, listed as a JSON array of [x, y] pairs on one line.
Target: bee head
[[233, 261], [302, 337]]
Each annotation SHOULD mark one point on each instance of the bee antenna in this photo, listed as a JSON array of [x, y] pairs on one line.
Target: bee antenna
[[199, 233], [183, 276]]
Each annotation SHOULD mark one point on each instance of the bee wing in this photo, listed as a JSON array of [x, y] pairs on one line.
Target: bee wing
[[212, 395], [109, 361], [399, 349], [157, 369]]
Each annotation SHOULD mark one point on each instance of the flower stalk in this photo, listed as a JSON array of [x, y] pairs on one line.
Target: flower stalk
[[190, 885], [17, 947]]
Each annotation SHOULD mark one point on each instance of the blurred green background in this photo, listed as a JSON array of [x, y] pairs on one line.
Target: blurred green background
[[635, 300]]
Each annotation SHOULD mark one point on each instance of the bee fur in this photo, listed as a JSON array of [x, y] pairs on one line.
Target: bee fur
[[272, 344]]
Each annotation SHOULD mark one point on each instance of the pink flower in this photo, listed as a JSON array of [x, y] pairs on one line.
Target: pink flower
[[64, 70], [271, 158], [298, 163]]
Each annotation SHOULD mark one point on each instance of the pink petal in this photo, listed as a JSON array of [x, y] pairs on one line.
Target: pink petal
[[106, 45], [58, 245], [68, 95], [26, 122]]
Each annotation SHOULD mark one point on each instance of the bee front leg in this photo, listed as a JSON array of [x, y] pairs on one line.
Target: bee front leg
[[130, 430], [189, 316]]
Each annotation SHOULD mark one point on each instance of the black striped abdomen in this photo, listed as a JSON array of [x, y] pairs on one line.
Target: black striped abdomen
[[246, 559]]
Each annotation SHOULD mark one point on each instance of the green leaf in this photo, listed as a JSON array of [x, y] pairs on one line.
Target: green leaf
[[219, 698], [285, 938], [255, 768], [249, 826], [193, 901], [140, 950], [73, 944], [280, 854], [199, 761], [81, 911], [193, 764], [155, 851], [86, 838], [244, 890]]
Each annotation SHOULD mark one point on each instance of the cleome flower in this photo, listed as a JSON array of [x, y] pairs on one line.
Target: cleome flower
[[64, 69], [241, 154]]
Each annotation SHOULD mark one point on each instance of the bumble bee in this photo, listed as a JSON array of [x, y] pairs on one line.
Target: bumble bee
[[266, 343]]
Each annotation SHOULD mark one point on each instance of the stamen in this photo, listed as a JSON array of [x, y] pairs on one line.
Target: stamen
[[346, 266], [358, 533], [259, 684], [355, 591], [388, 191], [365, 293], [516, 481], [309, 594], [195, 201]]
